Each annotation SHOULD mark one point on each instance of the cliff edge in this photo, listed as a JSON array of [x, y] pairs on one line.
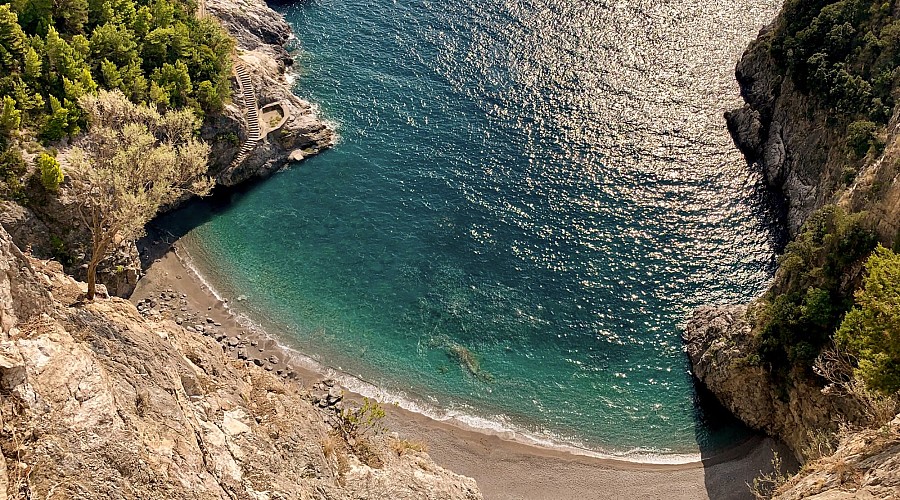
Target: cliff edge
[[264, 118], [99, 402]]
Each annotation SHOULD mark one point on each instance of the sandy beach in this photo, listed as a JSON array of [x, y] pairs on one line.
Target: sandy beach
[[504, 468]]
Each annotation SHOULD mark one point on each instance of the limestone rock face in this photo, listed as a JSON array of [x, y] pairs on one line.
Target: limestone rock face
[[99, 402], [866, 465], [719, 343], [783, 131], [261, 34]]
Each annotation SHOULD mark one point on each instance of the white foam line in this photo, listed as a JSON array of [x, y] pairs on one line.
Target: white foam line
[[479, 424]]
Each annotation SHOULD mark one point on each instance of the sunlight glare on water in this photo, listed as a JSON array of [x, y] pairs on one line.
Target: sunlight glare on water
[[527, 199]]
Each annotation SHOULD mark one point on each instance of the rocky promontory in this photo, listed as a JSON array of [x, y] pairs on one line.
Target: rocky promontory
[[99, 401], [261, 35], [794, 408], [800, 140]]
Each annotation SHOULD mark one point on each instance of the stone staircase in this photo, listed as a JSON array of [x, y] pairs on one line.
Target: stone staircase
[[251, 111]]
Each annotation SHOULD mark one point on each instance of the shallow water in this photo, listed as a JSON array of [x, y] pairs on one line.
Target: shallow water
[[527, 200]]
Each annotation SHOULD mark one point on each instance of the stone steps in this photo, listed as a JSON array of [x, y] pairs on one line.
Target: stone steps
[[251, 111]]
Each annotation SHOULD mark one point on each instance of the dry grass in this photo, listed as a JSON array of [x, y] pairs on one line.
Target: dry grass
[[404, 446], [767, 484]]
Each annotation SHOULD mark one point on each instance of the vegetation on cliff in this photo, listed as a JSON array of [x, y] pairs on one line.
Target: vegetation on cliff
[[157, 52], [843, 56], [846, 53], [132, 161]]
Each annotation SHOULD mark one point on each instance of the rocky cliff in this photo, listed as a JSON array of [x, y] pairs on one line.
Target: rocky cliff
[[801, 147], [261, 35], [794, 408], [866, 465], [785, 133], [98, 402]]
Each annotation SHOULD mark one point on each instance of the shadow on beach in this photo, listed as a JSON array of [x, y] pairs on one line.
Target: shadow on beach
[[730, 473], [167, 228]]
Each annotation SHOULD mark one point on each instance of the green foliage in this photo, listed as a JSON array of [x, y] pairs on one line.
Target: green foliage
[[52, 53], [813, 288], [871, 330], [360, 422], [862, 139], [10, 117], [844, 52], [12, 168], [51, 173]]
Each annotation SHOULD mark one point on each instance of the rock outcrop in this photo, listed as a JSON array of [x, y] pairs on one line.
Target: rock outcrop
[[785, 132], [865, 465], [795, 409], [50, 226], [261, 34], [99, 402]]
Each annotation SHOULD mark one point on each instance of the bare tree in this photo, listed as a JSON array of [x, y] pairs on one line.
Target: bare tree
[[132, 161]]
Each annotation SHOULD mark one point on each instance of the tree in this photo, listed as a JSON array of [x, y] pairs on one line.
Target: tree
[[871, 330], [10, 117], [51, 173], [12, 38], [132, 161]]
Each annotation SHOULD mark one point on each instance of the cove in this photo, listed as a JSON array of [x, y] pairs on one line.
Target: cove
[[526, 201]]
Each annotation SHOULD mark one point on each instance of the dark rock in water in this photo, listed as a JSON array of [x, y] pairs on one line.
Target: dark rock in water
[[273, 360], [209, 320], [179, 320], [328, 382], [257, 362], [242, 354]]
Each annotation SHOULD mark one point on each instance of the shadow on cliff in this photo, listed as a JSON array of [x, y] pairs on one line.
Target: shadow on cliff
[[167, 228], [729, 472]]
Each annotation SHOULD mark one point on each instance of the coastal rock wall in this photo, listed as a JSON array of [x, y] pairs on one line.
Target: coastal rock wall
[[804, 158], [99, 402], [50, 226], [786, 134], [795, 409], [261, 34]]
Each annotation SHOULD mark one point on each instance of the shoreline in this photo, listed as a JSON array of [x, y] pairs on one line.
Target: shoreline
[[177, 289]]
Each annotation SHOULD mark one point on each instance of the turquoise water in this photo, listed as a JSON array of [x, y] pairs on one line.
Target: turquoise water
[[527, 199]]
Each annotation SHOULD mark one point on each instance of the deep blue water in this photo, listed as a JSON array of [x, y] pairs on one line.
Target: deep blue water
[[541, 189]]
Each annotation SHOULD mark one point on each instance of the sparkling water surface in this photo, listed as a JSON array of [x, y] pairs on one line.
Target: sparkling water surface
[[527, 200]]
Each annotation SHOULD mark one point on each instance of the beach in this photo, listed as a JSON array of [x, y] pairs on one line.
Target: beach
[[504, 466]]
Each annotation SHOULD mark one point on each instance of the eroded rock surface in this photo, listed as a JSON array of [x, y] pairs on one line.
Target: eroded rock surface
[[794, 409], [783, 131], [866, 465], [261, 34], [99, 402]]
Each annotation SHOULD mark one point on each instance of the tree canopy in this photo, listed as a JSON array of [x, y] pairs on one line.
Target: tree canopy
[[871, 330], [131, 161], [155, 51]]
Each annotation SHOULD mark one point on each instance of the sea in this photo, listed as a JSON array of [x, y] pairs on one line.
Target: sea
[[526, 201]]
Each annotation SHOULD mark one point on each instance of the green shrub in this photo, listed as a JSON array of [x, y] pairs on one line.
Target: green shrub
[[813, 288], [53, 53], [861, 139], [871, 330], [12, 168], [51, 173]]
